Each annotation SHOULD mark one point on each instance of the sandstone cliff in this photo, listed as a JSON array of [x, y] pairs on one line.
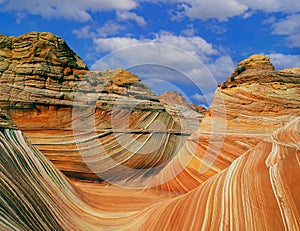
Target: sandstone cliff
[[35, 195], [238, 171], [258, 98], [63, 109], [187, 114], [245, 110]]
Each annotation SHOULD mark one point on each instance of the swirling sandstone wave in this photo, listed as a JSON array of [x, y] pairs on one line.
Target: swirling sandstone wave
[[46, 89], [258, 191], [249, 106], [237, 172]]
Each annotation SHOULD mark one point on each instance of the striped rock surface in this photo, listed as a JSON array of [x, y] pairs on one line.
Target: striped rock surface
[[187, 114], [259, 190], [92, 125], [237, 172], [245, 110]]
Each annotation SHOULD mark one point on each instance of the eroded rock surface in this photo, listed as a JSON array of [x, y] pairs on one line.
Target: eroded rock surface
[[244, 112], [35, 195], [238, 171], [75, 116], [259, 99], [187, 114]]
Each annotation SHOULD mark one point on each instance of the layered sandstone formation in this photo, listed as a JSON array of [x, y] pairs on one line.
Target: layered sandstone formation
[[237, 171], [258, 99], [246, 109], [187, 114], [258, 191], [35, 195], [37, 75], [75, 117]]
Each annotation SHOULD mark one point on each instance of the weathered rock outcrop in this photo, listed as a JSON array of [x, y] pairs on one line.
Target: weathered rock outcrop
[[187, 114], [258, 190], [237, 172], [37, 74], [75, 116], [35, 195], [245, 111], [258, 99]]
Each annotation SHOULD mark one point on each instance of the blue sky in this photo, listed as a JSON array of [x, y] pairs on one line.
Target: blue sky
[[186, 45]]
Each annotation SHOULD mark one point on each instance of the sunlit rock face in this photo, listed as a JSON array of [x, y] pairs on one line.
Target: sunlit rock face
[[258, 99], [133, 162], [35, 195], [254, 101], [257, 191], [187, 114], [76, 117]]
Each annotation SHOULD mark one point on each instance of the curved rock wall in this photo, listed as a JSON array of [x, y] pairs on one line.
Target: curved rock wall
[[75, 116]]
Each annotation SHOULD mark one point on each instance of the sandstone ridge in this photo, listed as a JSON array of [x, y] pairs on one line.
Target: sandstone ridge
[[35, 195], [259, 69], [243, 113], [183, 112], [130, 162], [47, 90]]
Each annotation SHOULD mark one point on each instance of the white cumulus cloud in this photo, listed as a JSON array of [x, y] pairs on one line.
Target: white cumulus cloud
[[84, 32], [76, 10], [79, 10], [205, 99], [289, 27], [282, 61], [223, 10], [110, 28], [194, 57], [219, 9], [126, 15], [287, 6], [114, 43]]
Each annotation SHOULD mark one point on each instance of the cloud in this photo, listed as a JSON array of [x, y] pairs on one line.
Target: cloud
[[193, 57], [287, 6], [79, 10], [289, 27], [110, 28], [113, 44], [20, 17], [195, 46], [269, 20], [125, 16], [203, 99], [219, 9], [223, 10], [221, 67], [84, 32], [76, 10], [216, 27], [281, 61], [189, 31]]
